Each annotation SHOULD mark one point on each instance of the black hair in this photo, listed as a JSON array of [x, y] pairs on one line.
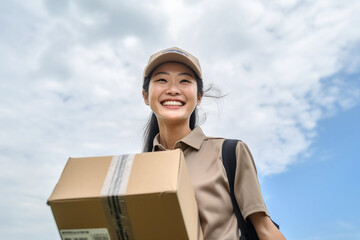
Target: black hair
[[152, 126]]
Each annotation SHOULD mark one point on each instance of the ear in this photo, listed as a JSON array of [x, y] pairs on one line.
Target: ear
[[199, 99], [146, 97]]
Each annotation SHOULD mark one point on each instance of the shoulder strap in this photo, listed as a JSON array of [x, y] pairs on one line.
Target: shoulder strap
[[248, 231], [229, 160]]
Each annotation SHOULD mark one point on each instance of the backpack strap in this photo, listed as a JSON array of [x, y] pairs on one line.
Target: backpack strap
[[229, 161], [247, 229]]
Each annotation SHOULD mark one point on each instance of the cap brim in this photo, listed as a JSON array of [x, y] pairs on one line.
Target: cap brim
[[171, 57]]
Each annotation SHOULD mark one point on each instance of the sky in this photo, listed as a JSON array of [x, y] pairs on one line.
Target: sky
[[70, 86]]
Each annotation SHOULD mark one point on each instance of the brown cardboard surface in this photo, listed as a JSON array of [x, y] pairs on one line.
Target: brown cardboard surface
[[81, 178], [159, 202], [147, 211], [71, 214], [187, 202], [154, 172]]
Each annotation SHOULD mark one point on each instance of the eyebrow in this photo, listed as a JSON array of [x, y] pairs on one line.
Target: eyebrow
[[180, 74]]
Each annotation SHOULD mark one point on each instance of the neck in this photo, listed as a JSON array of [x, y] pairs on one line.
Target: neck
[[171, 133]]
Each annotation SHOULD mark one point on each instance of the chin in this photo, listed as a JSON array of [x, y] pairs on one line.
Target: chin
[[175, 118]]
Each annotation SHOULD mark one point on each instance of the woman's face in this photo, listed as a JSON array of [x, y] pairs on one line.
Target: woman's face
[[172, 93]]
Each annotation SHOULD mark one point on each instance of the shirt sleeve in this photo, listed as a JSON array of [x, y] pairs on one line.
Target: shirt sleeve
[[247, 188]]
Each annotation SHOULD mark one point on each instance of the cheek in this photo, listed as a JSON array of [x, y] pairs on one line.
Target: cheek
[[153, 94], [193, 94]]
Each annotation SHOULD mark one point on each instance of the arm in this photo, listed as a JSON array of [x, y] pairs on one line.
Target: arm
[[264, 227], [249, 197]]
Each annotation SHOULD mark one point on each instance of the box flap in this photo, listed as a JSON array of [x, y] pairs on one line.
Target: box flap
[[154, 172], [81, 178]]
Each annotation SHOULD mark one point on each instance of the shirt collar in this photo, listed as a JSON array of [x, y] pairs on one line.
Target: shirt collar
[[194, 139]]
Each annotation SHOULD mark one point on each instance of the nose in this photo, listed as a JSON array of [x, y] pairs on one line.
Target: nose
[[172, 89]]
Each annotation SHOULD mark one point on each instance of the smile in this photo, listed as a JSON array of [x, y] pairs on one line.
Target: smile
[[172, 103]]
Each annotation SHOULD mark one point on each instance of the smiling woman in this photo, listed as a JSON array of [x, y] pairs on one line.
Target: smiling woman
[[173, 88], [190, 71], [172, 96]]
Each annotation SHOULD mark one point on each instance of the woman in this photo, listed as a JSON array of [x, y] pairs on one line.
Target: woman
[[173, 88]]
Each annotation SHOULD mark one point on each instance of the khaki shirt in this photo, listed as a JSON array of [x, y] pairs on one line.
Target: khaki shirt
[[208, 176]]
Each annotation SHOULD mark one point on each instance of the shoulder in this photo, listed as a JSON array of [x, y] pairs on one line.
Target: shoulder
[[245, 158], [214, 139], [213, 143], [241, 148], [239, 143], [219, 140]]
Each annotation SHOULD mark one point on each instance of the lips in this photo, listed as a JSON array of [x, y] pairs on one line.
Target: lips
[[172, 103]]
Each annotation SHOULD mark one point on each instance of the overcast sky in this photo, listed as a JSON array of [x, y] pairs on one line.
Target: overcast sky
[[71, 73]]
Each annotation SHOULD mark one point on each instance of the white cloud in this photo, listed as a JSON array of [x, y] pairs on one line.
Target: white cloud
[[277, 60]]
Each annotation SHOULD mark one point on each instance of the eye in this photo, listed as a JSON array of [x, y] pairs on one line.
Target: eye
[[185, 81], [161, 80]]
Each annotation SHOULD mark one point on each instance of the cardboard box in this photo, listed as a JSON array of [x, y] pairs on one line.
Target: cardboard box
[[141, 196]]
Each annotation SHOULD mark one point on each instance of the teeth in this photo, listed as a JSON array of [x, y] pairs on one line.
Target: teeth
[[172, 103]]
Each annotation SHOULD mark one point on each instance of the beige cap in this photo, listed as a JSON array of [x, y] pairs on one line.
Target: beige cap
[[173, 54]]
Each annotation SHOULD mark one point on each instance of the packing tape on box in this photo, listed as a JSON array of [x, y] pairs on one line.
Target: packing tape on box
[[113, 196]]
